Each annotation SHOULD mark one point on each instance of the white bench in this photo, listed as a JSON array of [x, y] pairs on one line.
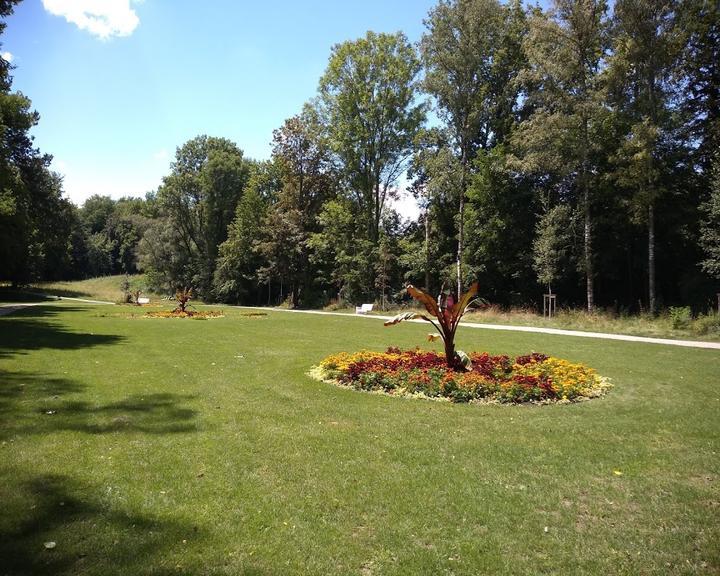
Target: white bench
[[364, 309], [143, 300]]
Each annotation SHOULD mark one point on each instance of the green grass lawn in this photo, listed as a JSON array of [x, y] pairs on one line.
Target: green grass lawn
[[167, 446]]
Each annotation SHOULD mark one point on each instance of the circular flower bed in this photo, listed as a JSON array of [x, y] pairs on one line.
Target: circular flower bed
[[186, 314], [531, 378]]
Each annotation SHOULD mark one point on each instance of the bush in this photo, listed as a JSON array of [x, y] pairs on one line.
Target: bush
[[680, 316], [707, 324]]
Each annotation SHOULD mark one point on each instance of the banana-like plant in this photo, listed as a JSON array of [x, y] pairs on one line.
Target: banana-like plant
[[183, 296], [446, 316]]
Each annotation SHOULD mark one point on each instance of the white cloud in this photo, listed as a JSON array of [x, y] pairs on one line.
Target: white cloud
[[7, 56], [102, 18]]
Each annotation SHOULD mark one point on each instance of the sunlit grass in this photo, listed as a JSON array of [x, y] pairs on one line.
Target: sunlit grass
[[105, 288], [180, 446]]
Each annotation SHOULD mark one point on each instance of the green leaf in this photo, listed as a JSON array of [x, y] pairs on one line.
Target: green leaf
[[405, 316]]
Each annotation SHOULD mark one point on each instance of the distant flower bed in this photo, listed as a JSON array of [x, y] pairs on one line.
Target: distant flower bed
[[531, 378], [186, 314]]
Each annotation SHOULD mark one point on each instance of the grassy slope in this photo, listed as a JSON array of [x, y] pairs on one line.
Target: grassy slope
[[107, 288], [201, 447]]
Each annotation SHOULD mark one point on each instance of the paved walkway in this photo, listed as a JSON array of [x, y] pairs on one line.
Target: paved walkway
[[83, 300], [557, 331], [6, 309]]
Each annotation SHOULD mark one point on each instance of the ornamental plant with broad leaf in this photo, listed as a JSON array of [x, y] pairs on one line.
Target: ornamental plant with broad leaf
[[445, 316], [183, 296]]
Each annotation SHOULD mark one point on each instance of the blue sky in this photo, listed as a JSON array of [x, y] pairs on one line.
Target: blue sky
[[119, 84]]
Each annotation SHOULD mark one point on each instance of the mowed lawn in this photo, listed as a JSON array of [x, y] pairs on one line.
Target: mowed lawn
[[167, 446]]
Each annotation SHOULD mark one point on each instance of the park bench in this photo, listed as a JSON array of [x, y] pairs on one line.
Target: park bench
[[364, 309], [143, 300]]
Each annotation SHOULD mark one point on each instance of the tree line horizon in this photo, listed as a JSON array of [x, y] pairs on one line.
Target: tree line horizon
[[574, 150]]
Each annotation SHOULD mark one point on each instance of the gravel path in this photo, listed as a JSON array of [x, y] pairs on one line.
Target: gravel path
[[6, 309], [557, 331]]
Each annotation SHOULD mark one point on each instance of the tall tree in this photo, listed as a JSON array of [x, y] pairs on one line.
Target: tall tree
[[236, 276], [368, 100], [95, 212], [551, 246], [501, 211], [200, 196], [710, 227], [562, 139], [698, 24], [303, 157], [645, 52], [470, 52], [343, 257], [34, 218]]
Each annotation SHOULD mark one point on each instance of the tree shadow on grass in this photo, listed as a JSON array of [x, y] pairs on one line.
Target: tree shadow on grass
[[34, 404], [147, 413], [90, 533], [87, 531], [29, 329]]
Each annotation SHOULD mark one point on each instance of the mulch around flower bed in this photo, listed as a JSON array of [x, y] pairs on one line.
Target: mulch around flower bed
[[532, 378]]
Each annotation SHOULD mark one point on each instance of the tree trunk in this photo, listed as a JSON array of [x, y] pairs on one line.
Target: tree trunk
[[295, 295], [461, 239], [427, 250], [589, 269], [651, 258], [461, 223], [450, 354], [377, 216], [589, 272]]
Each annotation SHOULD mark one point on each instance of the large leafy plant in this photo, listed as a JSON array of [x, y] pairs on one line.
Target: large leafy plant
[[183, 296], [445, 315]]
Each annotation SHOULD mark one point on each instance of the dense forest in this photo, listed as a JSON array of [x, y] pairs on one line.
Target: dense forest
[[573, 150]]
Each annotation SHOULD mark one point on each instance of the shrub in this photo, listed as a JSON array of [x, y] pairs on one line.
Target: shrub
[[680, 316], [707, 324]]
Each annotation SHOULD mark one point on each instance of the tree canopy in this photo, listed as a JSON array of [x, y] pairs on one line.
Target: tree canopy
[[571, 148]]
